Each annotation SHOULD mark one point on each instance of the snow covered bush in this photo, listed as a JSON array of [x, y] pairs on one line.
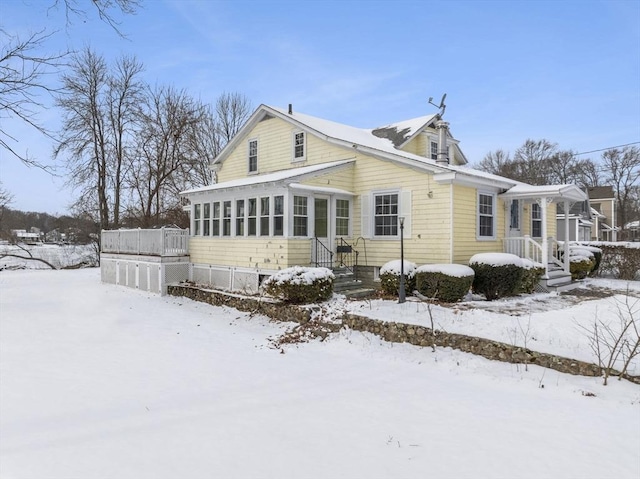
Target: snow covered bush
[[390, 276], [300, 285], [582, 262], [496, 274], [597, 257], [531, 274], [445, 282], [621, 260]]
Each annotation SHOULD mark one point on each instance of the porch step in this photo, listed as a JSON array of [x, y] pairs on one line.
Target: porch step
[[346, 284], [557, 280]]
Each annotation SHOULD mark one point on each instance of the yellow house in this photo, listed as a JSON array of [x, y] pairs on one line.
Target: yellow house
[[292, 189]]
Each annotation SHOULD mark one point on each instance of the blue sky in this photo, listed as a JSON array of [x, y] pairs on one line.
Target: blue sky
[[565, 71]]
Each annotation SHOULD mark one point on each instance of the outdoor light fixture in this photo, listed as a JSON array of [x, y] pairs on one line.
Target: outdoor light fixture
[[401, 292]]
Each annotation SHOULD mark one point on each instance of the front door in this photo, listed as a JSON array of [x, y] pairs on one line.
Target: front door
[[322, 248], [515, 222]]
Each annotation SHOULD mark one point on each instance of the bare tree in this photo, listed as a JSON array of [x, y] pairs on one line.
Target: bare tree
[[218, 126], [164, 154], [622, 172], [587, 173], [25, 68], [100, 108]]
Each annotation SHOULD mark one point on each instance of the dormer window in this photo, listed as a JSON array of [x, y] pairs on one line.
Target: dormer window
[[253, 156], [299, 146], [434, 150]]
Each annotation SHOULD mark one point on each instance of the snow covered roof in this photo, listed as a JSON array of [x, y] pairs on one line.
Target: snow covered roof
[[277, 176], [402, 132], [568, 192]]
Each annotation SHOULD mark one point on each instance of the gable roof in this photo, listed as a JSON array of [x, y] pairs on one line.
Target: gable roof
[[601, 192], [366, 142]]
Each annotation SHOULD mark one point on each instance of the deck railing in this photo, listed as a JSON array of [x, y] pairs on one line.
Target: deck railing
[[152, 242]]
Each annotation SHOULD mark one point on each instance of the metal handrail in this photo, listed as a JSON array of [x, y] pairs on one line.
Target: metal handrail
[[347, 256], [324, 256]]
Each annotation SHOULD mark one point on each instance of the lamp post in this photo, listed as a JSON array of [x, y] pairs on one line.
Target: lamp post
[[401, 292]]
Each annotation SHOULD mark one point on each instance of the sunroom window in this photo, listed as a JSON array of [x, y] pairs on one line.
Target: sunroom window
[[206, 216], [342, 217], [300, 216]]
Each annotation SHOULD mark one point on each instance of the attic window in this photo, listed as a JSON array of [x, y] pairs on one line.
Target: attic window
[[434, 150], [253, 156], [299, 149]]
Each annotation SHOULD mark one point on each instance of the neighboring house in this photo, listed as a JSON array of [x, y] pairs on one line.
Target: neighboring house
[[28, 237], [603, 201], [633, 229], [291, 189], [580, 221]]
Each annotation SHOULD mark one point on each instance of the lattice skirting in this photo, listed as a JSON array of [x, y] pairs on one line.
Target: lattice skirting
[[145, 273]]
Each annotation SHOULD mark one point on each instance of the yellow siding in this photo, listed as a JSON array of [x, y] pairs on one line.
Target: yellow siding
[[429, 240], [465, 220], [261, 253], [275, 151]]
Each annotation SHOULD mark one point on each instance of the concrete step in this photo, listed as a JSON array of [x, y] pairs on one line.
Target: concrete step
[[359, 293]]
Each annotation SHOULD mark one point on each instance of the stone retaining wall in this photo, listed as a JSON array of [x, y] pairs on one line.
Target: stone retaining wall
[[396, 332]]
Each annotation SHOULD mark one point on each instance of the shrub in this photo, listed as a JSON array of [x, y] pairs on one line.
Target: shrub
[[580, 266], [390, 277], [621, 260], [300, 285], [531, 274], [445, 282], [496, 274]]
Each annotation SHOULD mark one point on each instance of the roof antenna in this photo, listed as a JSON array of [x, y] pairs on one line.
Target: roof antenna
[[441, 106]]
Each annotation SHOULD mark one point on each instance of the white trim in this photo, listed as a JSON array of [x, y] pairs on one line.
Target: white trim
[[249, 170], [494, 213], [302, 158]]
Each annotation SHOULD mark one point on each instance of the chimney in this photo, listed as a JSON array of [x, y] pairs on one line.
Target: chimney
[[290, 109], [443, 152]]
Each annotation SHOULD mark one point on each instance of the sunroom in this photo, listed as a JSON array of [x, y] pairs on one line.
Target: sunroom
[[272, 221]]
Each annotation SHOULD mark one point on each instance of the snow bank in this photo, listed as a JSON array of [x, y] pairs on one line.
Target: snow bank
[[300, 275]]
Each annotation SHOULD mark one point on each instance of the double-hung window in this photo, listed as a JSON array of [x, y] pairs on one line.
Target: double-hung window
[[386, 214], [264, 216], [226, 218], [300, 216], [253, 156], [299, 147], [196, 219], [240, 218], [206, 217], [252, 210], [278, 215], [215, 219], [536, 221], [342, 217], [433, 150], [486, 216]]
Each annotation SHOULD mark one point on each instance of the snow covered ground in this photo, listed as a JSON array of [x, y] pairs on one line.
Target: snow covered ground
[[100, 381]]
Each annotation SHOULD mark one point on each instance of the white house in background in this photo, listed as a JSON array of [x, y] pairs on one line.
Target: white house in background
[[580, 221]]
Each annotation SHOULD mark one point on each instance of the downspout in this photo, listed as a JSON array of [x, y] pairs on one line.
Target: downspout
[[567, 248]]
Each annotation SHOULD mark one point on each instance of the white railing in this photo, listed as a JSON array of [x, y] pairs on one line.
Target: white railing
[[155, 242], [524, 247]]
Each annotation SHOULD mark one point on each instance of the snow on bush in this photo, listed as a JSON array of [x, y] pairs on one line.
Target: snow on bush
[[446, 282], [393, 267], [454, 270], [300, 284], [496, 259], [390, 276], [497, 274]]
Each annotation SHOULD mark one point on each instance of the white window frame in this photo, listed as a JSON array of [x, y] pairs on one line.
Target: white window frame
[[535, 206], [376, 194], [250, 156], [479, 214], [294, 144], [197, 217], [294, 216], [348, 217], [433, 141]]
